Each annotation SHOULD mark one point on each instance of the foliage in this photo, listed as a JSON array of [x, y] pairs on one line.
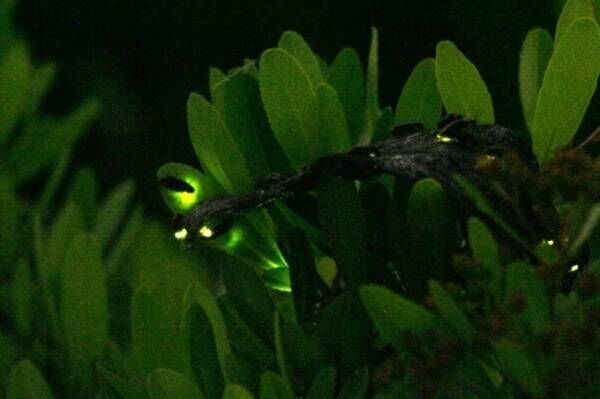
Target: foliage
[[380, 289]]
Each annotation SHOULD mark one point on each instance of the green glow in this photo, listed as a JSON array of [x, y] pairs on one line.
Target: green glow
[[444, 139], [205, 232], [180, 235], [184, 200], [235, 237]]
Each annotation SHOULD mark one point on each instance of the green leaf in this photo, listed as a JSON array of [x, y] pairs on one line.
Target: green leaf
[[127, 239], [393, 315], [84, 305], [234, 391], [216, 149], [420, 99], [204, 187], [112, 211], [356, 387], [40, 83], [22, 298], [485, 249], [26, 382], [561, 107], [277, 278], [341, 217], [522, 280], [169, 384], [68, 224], [216, 76], [291, 105], [251, 299], [59, 170], [295, 45], [203, 352], [535, 55], [334, 130], [372, 87], [15, 71], [462, 90], [519, 366], [323, 386], [9, 220], [450, 311], [586, 230], [280, 355], [346, 76], [384, 125], [273, 387], [124, 385], [572, 11], [83, 191]]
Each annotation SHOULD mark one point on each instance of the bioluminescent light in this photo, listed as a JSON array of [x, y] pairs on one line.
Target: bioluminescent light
[[205, 232], [181, 234], [444, 139], [550, 242], [234, 238], [574, 268]]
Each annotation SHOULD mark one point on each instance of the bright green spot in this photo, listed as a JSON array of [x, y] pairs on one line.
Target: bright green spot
[[181, 235]]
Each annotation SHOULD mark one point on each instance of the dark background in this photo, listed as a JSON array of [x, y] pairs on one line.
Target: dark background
[[143, 58]]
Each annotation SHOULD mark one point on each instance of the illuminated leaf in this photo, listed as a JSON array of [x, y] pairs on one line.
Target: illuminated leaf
[[572, 11], [295, 45], [372, 87], [334, 130]]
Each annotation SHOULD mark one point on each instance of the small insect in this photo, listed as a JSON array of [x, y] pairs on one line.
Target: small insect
[[451, 148]]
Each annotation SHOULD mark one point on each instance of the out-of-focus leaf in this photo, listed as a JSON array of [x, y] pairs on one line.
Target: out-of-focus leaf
[[280, 354], [124, 386], [356, 386], [26, 382], [572, 11], [462, 90], [561, 107], [15, 71], [346, 76], [522, 280], [295, 45], [291, 105], [59, 170], [384, 125], [170, 384], [68, 224], [83, 191], [9, 220], [22, 298], [129, 236], [485, 249], [216, 149], [372, 88], [41, 80], [84, 305], [323, 386], [586, 230], [534, 58], [393, 315], [273, 387], [450, 311], [112, 211], [420, 99], [234, 391], [333, 129], [519, 366], [277, 278], [302, 355], [203, 352]]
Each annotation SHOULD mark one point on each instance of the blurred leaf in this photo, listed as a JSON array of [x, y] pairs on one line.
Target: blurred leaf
[[572, 11], [68, 224], [15, 71], [485, 249], [450, 311], [560, 108], [83, 191], [9, 220], [236, 392], [169, 384], [26, 382], [372, 87], [204, 353], [535, 55], [291, 106], [59, 170], [273, 387], [346, 77], [420, 99], [124, 386], [112, 211], [323, 386], [462, 90], [22, 298], [341, 218], [84, 305], [277, 278], [251, 299], [356, 386], [327, 270], [303, 275], [333, 128], [519, 366], [126, 240], [216, 149], [586, 230], [302, 355], [41, 80], [295, 45], [394, 315], [280, 355], [522, 280]]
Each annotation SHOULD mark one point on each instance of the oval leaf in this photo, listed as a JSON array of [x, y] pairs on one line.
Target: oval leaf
[[235, 391], [295, 45], [26, 382], [572, 11], [169, 384], [334, 130], [451, 312]]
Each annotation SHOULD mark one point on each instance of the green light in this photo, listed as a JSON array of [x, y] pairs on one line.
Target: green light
[[234, 239], [185, 200], [180, 235]]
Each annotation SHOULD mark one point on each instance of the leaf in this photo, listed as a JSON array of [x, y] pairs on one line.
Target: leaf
[[26, 382], [123, 385], [522, 280], [384, 125], [127, 239], [251, 299], [22, 291], [273, 387], [169, 384], [216, 149], [519, 366], [112, 211], [586, 230], [280, 355], [341, 218], [394, 315], [59, 170], [572, 11], [372, 87], [291, 105], [356, 386], [68, 224], [346, 76], [333, 128], [234, 391], [462, 90], [9, 220], [15, 71], [277, 278], [84, 305], [203, 187], [323, 386], [203, 352], [450, 311], [295, 45], [535, 55], [561, 107], [420, 99], [41, 80], [216, 76], [485, 249], [83, 191], [303, 357]]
